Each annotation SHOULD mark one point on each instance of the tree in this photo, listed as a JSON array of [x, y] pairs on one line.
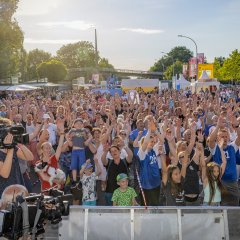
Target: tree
[[35, 57], [230, 69], [169, 71], [76, 55], [7, 9], [54, 70], [104, 63], [11, 39], [179, 53], [217, 65]]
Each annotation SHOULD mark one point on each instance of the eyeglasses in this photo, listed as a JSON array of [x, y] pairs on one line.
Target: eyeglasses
[[123, 134]]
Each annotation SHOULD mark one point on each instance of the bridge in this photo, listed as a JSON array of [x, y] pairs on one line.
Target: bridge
[[76, 72]]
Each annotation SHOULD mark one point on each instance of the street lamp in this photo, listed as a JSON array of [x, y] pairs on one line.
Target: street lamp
[[173, 67], [196, 55]]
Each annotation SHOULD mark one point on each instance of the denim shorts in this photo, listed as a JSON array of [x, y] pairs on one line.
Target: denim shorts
[[78, 158]]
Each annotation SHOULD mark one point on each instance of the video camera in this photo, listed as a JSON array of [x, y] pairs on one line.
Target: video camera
[[18, 135], [27, 216]]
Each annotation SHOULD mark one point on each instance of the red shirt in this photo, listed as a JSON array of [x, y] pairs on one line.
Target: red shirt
[[51, 163]]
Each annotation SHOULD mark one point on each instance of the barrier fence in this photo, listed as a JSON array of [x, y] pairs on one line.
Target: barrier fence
[[116, 223]]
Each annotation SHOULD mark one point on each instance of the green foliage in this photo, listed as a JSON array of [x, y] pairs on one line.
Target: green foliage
[[179, 53], [7, 9], [177, 70], [54, 70], [230, 69], [76, 55], [11, 40], [36, 57], [104, 63]]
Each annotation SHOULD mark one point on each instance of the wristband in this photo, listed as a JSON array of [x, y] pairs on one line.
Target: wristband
[[39, 123], [200, 142]]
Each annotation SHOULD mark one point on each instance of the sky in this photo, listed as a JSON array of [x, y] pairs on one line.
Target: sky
[[132, 33]]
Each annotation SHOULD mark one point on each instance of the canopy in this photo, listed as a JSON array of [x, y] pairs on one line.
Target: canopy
[[204, 75], [182, 83], [19, 88]]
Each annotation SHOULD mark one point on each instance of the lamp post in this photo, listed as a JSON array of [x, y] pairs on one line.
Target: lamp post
[[196, 56], [173, 67]]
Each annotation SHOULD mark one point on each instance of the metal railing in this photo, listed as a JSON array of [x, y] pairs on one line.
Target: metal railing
[[116, 223]]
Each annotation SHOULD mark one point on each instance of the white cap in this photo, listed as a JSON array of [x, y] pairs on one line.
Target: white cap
[[46, 116]]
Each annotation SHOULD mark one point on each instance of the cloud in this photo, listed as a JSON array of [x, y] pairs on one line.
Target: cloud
[[78, 25], [142, 30], [49, 41], [36, 7]]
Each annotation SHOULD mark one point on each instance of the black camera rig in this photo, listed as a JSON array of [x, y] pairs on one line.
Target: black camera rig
[[27, 216], [18, 135]]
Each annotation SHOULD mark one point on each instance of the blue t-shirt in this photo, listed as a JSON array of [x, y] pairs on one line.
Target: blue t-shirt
[[149, 170], [230, 173], [133, 136]]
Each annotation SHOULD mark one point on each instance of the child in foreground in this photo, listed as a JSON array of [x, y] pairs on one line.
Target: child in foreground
[[88, 179], [211, 176], [124, 195]]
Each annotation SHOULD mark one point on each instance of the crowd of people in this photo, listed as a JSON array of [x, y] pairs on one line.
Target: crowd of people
[[163, 148]]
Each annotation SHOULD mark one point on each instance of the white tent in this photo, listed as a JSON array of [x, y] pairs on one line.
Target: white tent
[[182, 83], [204, 82], [204, 75], [18, 88]]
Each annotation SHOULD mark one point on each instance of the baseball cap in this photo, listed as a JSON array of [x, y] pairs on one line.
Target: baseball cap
[[78, 120], [121, 176], [46, 116], [89, 166]]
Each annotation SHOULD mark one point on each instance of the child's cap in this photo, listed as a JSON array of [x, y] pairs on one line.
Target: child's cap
[[121, 176], [78, 120], [89, 166]]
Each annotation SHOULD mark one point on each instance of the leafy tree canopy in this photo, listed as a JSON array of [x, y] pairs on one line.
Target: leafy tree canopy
[[80, 54], [11, 39], [177, 70], [54, 70], [230, 69], [104, 63]]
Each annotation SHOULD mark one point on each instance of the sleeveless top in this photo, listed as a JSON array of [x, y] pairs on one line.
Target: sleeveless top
[[216, 197], [15, 176]]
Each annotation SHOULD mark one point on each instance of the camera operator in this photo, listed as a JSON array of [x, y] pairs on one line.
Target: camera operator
[[9, 165]]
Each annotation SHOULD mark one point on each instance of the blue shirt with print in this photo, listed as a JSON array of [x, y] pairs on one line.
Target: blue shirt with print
[[230, 173], [149, 171]]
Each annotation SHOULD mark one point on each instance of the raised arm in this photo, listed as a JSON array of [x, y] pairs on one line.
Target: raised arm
[[61, 139], [193, 138], [164, 165], [184, 163], [104, 155], [213, 135], [98, 171], [223, 156], [84, 167], [129, 154], [6, 165]]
